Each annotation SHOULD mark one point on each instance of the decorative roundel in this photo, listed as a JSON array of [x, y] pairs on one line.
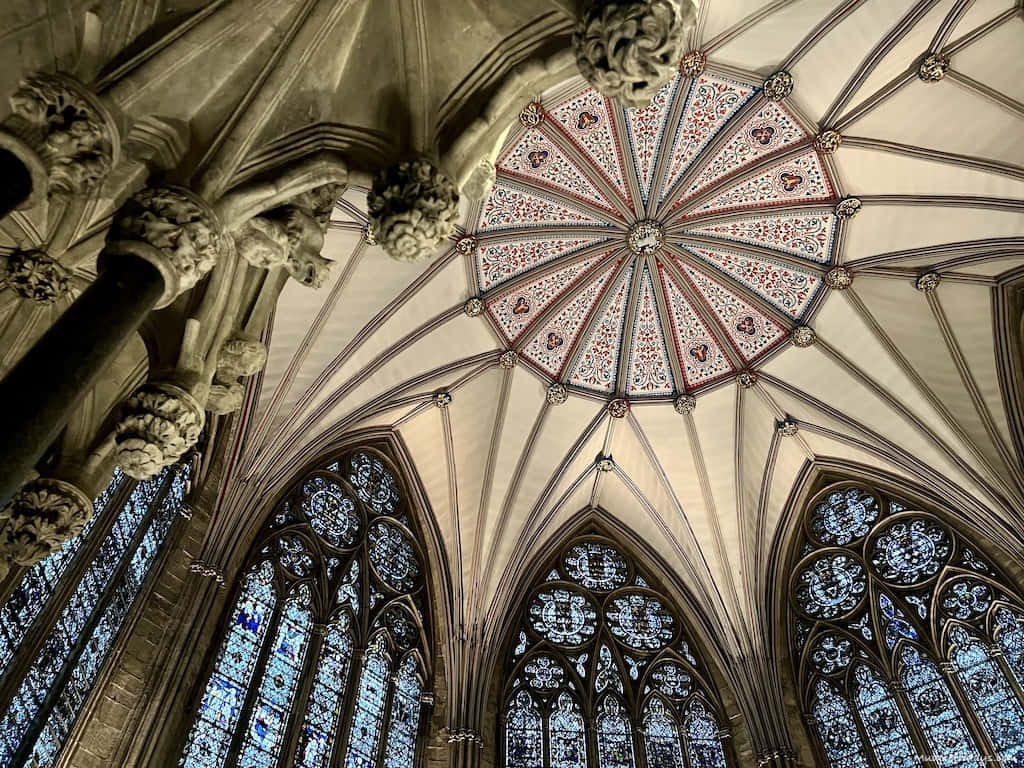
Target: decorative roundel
[[563, 615], [640, 621], [844, 516], [393, 556], [374, 483], [596, 566], [831, 585], [965, 599], [543, 673], [652, 251], [294, 556], [331, 511], [672, 680], [910, 551], [400, 627], [831, 653]]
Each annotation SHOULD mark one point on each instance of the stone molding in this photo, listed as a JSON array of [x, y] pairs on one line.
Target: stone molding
[[63, 134], [34, 275], [44, 514], [160, 422]]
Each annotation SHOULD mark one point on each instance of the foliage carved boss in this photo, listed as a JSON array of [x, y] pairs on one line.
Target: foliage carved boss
[[628, 50]]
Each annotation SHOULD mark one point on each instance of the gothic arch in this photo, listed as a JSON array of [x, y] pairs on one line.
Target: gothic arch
[[899, 638], [1008, 324]]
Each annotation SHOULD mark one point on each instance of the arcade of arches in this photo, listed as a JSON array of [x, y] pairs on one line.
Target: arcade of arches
[[544, 384]]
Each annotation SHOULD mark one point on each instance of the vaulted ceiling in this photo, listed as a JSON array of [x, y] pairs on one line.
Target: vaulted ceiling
[[903, 380]]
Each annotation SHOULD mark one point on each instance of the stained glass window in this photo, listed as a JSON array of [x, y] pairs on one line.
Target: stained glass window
[[935, 615], [361, 708], [77, 637], [601, 667]]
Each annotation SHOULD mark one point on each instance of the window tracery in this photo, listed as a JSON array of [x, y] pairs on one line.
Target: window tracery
[[906, 641], [602, 674], [64, 616], [323, 657]]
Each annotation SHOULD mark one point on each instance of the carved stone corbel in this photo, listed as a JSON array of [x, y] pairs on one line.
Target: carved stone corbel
[[44, 514], [159, 423]]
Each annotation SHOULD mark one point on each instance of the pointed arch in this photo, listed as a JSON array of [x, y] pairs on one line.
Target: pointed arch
[[596, 638], [325, 652], [896, 621]]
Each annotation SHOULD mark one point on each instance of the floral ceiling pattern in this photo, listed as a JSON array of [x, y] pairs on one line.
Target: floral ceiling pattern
[[650, 252]]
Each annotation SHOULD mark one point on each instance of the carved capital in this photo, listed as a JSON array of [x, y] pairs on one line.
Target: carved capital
[[412, 207], [43, 515], [172, 229], [160, 422], [34, 275], [241, 356], [225, 397], [62, 132], [262, 242], [628, 49]]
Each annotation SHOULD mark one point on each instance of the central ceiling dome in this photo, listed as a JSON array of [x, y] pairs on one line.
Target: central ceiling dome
[[650, 252]]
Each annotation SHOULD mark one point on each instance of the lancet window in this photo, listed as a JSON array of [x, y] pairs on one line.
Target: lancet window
[[603, 673], [322, 660], [63, 617], [907, 640]]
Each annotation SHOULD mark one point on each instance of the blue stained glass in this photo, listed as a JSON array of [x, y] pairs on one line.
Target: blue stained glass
[[567, 735], [294, 557], [330, 510], [672, 680], [392, 556], [910, 551], [39, 582], [836, 728], [596, 566], [543, 673], [829, 586], [264, 736], [883, 720], [523, 734], [316, 741], [1009, 633], [938, 715], [703, 742], [966, 599], [614, 736], [640, 621], [896, 624], [210, 737], [369, 713], [60, 643], [564, 616], [844, 516], [607, 671], [374, 483], [83, 676], [404, 722], [661, 737], [831, 653], [990, 695]]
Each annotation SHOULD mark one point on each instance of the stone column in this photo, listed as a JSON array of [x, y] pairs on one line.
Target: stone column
[[162, 242], [59, 140]]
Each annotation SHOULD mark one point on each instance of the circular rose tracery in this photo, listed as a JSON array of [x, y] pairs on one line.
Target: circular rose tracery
[[628, 255]]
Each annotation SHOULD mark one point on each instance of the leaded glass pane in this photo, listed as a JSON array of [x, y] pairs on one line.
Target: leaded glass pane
[[364, 738], [33, 592], [896, 624], [614, 737], [210, 737], [703, 742], [564, 616], [607, 671], [330, 511], [294, 556], [567, 735], [1009, 633], [405, 717], [836, 729], [831, 653], [990, 695], [883, 721], [640, 621], [524, 741], [79, 684], [661, 737], [374, 483], [844, 516], [596, 566], [543, 673], [265, 734], [966, 599], [943, 726], [316, 741], [831, 585], [60, 644], [910, 551], [393, 556], [672, 680]]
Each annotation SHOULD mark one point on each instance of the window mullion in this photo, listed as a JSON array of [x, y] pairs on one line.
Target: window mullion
[[388, 705], [899, 695], [300, 702], [996, 652], [345, 719], [41, 627], [57, 687], [978, 730], [256, 684], [862, 731]]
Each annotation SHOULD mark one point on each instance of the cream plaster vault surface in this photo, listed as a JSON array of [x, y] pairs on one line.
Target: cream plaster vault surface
[[899, 379]]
